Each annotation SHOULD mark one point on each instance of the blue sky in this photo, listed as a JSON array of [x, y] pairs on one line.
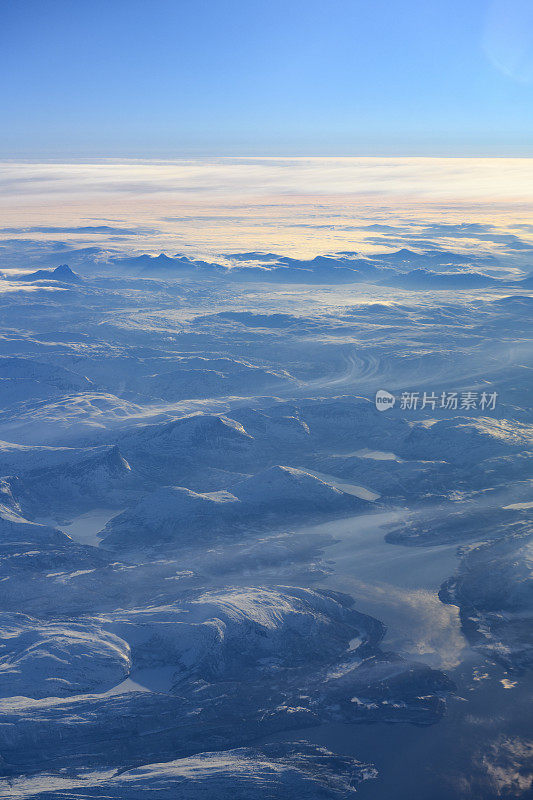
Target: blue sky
[[164, 78]]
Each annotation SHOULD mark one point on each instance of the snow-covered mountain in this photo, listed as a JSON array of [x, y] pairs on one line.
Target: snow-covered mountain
[[63, 273], [184, 450], [307, 654], [18, 531], [296, 769], [466, 440], [22, 379], [87, 478], [201, 377], [173, 516], [272, 543], [58, 659], [494, 590]]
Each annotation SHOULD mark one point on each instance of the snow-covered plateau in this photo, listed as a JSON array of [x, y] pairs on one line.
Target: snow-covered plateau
[[224, 571]]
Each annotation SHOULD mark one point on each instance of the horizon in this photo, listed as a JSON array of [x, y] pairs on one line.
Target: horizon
[[118, 159]]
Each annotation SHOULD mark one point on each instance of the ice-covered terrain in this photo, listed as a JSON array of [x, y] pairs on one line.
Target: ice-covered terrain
[[220, 561], [287, 770]]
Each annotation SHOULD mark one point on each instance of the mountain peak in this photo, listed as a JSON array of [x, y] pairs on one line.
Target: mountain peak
[[64, 273]]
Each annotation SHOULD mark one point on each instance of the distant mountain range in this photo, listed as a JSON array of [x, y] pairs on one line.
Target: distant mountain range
[[63, 274], [405, 269]]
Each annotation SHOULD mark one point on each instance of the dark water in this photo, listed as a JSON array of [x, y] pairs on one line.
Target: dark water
[[459, 757], [474, 751]]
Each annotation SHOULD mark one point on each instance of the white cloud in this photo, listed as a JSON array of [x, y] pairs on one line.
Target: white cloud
[[300, 206]]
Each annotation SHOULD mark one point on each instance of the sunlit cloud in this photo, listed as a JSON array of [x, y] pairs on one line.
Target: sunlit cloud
[[299, 206]]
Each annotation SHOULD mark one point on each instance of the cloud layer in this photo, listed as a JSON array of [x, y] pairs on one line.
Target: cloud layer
[[296, 205]]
